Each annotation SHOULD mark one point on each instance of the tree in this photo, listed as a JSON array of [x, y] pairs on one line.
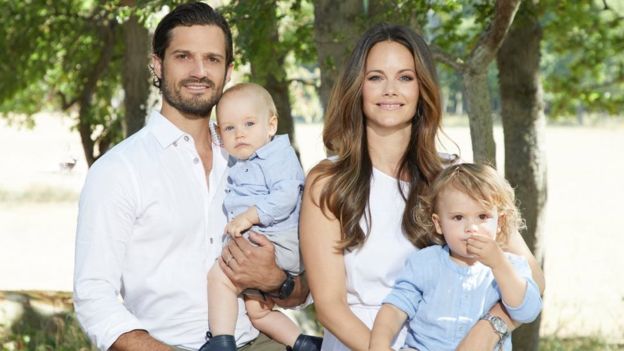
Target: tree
[[64, 50], [582, 63], [272, 36], [523, 126], [337, 25], [70, 54], [259, 43], [474, 70], [135, 74]]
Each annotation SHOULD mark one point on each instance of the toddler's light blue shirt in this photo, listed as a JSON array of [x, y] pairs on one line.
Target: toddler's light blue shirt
[[443, 299]]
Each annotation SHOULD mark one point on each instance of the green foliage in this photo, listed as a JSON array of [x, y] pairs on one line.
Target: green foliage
[[252, 23], [37, 331], [583, 65], [297, 32], [51, 50], [552, 343], [66, 55]]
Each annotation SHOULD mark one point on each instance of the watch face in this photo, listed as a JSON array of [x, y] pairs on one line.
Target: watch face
[[499, 325], [287, 287]]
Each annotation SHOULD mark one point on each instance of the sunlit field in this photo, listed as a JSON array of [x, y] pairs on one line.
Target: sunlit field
[[583, 240]]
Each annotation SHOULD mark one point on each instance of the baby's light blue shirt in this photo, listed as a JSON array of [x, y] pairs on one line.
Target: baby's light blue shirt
[[272, 180], [444, 300]]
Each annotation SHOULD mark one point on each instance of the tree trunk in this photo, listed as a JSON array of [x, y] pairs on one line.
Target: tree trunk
[[474, 73], [523, 126], [480, 117], [135, 75], [335, 32], [277, 85], [85, 126], [267, 62]]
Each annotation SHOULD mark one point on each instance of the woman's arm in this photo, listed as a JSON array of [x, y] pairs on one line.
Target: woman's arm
[[516, 245], [319, 234], [482, 335]]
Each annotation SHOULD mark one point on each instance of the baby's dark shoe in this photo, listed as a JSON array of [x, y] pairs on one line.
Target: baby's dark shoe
[[306, 343], [219, 343]]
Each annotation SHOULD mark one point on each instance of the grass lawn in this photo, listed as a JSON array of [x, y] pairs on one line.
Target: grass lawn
[[39, 321]]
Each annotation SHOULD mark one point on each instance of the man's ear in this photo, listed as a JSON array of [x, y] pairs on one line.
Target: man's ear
[[228, 73], [273, 125], [157, 66], [436, 223]]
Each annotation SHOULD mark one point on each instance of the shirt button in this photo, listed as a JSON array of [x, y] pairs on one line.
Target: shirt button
[[175, 143], [186, 138], [211, 240], [246, 170], [195, 160]]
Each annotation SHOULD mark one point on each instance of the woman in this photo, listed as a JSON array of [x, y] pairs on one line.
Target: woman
[[357, 218]]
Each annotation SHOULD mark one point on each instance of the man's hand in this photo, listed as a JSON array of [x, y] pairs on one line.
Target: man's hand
[[252, 266], [485, 250], [137, 340]]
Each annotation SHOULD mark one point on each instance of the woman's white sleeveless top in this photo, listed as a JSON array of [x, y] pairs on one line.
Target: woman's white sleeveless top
[[372, 269]]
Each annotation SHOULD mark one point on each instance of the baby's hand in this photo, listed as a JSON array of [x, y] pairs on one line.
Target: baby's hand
[[484, 249], [237, 226]]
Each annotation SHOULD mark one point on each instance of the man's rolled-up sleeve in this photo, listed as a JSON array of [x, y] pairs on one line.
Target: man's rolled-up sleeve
[[107, 211]]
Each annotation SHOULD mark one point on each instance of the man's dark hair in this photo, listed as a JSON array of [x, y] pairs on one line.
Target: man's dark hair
[[195, 13]]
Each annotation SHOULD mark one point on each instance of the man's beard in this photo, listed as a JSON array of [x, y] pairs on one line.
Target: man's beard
[[195, 107]]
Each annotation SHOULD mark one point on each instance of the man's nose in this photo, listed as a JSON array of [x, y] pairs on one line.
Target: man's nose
[[199, 69]]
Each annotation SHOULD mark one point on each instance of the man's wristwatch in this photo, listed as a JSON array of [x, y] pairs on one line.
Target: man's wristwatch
[[499, 326], [287, 287]]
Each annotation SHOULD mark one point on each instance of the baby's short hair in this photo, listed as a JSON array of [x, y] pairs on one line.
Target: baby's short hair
[[257, 91]]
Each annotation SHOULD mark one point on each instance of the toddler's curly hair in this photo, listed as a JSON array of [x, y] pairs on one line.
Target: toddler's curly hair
[[483, 184]]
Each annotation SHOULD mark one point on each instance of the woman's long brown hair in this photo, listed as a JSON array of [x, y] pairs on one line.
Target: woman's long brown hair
[[346, 192]]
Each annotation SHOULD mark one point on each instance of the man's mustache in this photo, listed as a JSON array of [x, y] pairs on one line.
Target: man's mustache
[[205, 81]]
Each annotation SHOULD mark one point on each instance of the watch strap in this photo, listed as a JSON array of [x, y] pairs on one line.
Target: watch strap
[[499, 326], [286, 289]]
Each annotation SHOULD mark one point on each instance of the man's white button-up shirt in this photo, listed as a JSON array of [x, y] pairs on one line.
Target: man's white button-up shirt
[[149, 229]]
